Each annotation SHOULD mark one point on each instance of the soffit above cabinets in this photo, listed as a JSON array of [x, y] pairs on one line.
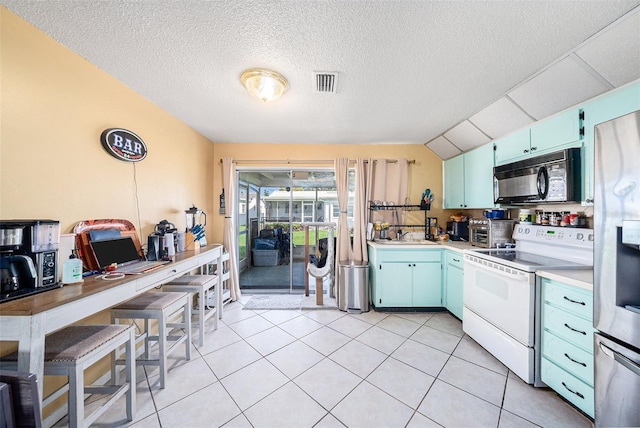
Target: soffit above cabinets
[[615, 53], [466, 136], [443, 148], [557, 88], [500, 118]]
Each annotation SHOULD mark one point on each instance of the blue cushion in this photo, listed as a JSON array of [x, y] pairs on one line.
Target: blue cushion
[[100, 234]]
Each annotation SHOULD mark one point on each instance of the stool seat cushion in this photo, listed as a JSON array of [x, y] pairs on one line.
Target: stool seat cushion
[[151, 301], [76, 341], [193, 279]]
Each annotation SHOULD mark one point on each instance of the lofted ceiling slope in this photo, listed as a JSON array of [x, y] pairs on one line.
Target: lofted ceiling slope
[[409, 72]]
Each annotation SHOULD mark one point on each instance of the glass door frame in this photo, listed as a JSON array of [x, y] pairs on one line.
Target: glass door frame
[[290, 171]]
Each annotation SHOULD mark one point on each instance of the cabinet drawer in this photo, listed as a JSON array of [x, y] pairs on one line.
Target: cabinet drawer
[[568, 326], [577, 392], [575, 360], [455, 259], [165, 274], [574, 300], [409, 256]]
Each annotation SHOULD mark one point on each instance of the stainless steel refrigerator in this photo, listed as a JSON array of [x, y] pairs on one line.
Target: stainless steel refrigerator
[[617, 272]]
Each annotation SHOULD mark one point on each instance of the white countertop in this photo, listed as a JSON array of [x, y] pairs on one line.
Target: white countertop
[[458, 246], [582, 278]]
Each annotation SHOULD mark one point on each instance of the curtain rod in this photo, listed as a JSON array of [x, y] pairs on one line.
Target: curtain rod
[[295, 161]]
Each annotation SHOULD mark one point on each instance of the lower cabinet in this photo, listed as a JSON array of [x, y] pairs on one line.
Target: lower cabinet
[[453, 281], [567, 362], [405, 278]]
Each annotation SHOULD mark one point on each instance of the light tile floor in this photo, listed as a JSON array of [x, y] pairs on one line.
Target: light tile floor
[[326, 368]]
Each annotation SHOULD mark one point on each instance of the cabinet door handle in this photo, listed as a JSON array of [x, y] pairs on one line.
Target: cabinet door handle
[[572, 360], [573, 329], [534, 149], [572, 391], [525, 151], [574, 301], [456, 260]]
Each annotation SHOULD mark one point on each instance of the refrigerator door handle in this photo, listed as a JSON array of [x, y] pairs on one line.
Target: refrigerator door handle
[[619, 358]]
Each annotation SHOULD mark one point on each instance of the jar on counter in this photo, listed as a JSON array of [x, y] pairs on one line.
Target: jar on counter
[[545, 219], [573, 219], [555, 218], [566, 219], [538, 216]]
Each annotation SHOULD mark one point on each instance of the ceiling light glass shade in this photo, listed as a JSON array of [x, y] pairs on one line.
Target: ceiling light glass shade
[[263, 84]]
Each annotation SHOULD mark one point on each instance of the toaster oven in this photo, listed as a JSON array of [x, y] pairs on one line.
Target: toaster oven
[[489, 233]]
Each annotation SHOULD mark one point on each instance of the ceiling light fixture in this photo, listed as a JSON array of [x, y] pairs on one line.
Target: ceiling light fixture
[[264, 84]]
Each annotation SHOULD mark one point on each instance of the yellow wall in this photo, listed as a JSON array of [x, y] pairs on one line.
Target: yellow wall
[[54, 107]]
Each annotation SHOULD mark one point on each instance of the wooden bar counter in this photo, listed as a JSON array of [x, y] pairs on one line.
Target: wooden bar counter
[[29, 319]]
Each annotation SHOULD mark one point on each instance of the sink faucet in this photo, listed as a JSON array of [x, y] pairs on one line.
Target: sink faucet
[[403, 236]]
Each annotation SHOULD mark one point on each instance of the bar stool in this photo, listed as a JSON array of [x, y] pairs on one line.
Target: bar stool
[[71, 350], [201, 285], [164, 308]]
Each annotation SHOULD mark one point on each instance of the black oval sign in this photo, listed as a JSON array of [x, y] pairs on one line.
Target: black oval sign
[[123, 144]]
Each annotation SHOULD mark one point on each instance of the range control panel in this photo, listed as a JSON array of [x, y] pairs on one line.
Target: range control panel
[[559, 235]]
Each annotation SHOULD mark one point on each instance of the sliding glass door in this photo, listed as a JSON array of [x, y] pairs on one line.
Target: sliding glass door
[[275, 203]]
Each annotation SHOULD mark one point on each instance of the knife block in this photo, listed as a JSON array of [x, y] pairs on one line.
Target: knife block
[[192, 244]]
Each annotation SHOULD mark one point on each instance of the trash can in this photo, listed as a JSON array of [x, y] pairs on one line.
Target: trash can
[[353, 286]]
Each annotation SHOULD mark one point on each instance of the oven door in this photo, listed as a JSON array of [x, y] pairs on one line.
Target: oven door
[[499, 312], [501, 295]]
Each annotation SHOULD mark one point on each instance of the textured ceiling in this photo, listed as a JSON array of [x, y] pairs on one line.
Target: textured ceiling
[[408, 70]]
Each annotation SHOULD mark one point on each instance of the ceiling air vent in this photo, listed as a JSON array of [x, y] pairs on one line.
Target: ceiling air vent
[[326, 82]]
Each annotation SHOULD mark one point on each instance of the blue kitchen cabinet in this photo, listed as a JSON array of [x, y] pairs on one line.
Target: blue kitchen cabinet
[[478, 177], [427, 284], [557, 131], [453, 282], [468, 179], [454, 182], [606, 107], [567, 363], [405, 277], [512, 147], [396, 280]]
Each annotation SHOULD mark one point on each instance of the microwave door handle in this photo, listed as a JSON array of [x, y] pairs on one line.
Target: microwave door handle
[[542, 182]]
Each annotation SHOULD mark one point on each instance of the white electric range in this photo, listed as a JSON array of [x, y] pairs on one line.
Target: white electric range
[[502, 297]]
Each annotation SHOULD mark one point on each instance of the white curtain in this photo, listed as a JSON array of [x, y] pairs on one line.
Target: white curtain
[[388, 182], [360, 211], [229, 181], [343, 247]]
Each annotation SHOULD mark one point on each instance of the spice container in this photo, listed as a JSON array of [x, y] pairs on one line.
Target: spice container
[[545, 219], [566, 219], [526, 216]]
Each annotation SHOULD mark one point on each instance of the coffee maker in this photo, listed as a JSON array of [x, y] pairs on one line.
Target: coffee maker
[[28, 257]]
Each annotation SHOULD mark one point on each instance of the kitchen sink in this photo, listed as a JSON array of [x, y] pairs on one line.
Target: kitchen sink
[[400, 242]]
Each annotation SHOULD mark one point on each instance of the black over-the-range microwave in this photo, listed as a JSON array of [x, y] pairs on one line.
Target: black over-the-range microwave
[[554, 177]]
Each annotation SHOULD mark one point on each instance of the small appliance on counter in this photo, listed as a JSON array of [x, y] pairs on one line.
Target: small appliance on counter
[[156, 242], [458, 230], [28, 257], [489, 233]]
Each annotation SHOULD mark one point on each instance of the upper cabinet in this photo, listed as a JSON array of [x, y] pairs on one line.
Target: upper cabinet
[[468, 179], [513, 146], [609, 106], [559, 131]]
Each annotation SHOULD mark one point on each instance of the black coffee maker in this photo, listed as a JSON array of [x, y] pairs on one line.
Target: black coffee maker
[[28, 257], [458, 230], [156, 248]]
